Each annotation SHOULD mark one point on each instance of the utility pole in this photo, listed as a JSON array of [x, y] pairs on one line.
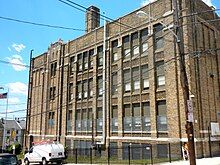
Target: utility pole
[[177, 4]]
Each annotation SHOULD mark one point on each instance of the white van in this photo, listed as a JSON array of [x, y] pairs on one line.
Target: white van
[[44, 152]]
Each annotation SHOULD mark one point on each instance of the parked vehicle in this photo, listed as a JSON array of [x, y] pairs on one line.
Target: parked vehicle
[[44, 152], [9, 159]]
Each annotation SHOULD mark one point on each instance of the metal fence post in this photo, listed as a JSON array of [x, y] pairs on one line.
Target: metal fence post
[[108, 155], [151, 154], [90, 155], [129, 154], [169, 153], [76, 155]]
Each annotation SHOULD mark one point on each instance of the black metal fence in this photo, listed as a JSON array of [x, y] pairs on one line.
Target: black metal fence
[[127, 154]]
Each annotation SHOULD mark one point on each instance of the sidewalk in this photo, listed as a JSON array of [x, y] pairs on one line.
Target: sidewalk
[[203, 161]]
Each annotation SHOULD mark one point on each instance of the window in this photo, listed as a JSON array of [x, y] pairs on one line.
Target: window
[[136, 111], [127, 118], [114, 116], [126, 47], [71, 92], [126, 53], [53, 68], [79, 90], [99, 119], [52, 93], [85, 60], [136, 78], [145, 77], [146, 116], [100, 55], [114, 50], [78, 120], [69, 121], [160, 73], [90, 87], [51, 119], [91, 53], [114, 83], [100, 86], [8, 131], [80, 65], [135, 44], [84, 120], [72, 60], [158, 36], [85, 89], [90, 119], [144, 44], [161, 116], [127, 80]]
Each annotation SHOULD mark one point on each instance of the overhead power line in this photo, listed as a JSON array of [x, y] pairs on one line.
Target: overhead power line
[[40, 24]]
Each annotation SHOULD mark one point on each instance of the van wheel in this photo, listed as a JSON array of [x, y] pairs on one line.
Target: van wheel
[[44, 161], [26, 162]]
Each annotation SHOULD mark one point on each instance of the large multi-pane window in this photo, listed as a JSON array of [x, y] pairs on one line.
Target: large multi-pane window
[[136, 78], [158, 36], [160, 73], [126, 47], [161, 116], [127, 80], [135, 44], [53, 68], [146, 116], [100, 55], [114, 83], [145, 77], [99, 119], [100, 86], [114, 116], [114, 50], [144, 43]]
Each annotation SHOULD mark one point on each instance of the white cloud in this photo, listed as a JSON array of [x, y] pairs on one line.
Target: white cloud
[[18, 88], [18, 47], [146, 2], [9, 49], [13, 100], [17, 62], [208, 2]]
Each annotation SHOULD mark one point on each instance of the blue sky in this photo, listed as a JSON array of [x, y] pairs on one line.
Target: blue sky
[[17, 39]]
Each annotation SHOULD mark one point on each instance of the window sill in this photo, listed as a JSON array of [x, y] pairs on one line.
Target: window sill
[[159, 50], [161, 88]]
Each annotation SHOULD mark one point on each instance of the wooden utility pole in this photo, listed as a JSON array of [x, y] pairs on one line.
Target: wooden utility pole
[[177, 4]]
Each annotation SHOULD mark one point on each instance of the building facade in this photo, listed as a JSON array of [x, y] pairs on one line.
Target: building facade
[[127, 90]]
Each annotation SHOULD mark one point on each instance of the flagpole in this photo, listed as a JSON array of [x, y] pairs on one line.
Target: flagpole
[[6, 115]]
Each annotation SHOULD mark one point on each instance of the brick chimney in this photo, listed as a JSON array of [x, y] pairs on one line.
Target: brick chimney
[[92, 18]]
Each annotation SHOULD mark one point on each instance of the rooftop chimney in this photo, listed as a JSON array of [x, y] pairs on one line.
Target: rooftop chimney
[[92, 18]]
